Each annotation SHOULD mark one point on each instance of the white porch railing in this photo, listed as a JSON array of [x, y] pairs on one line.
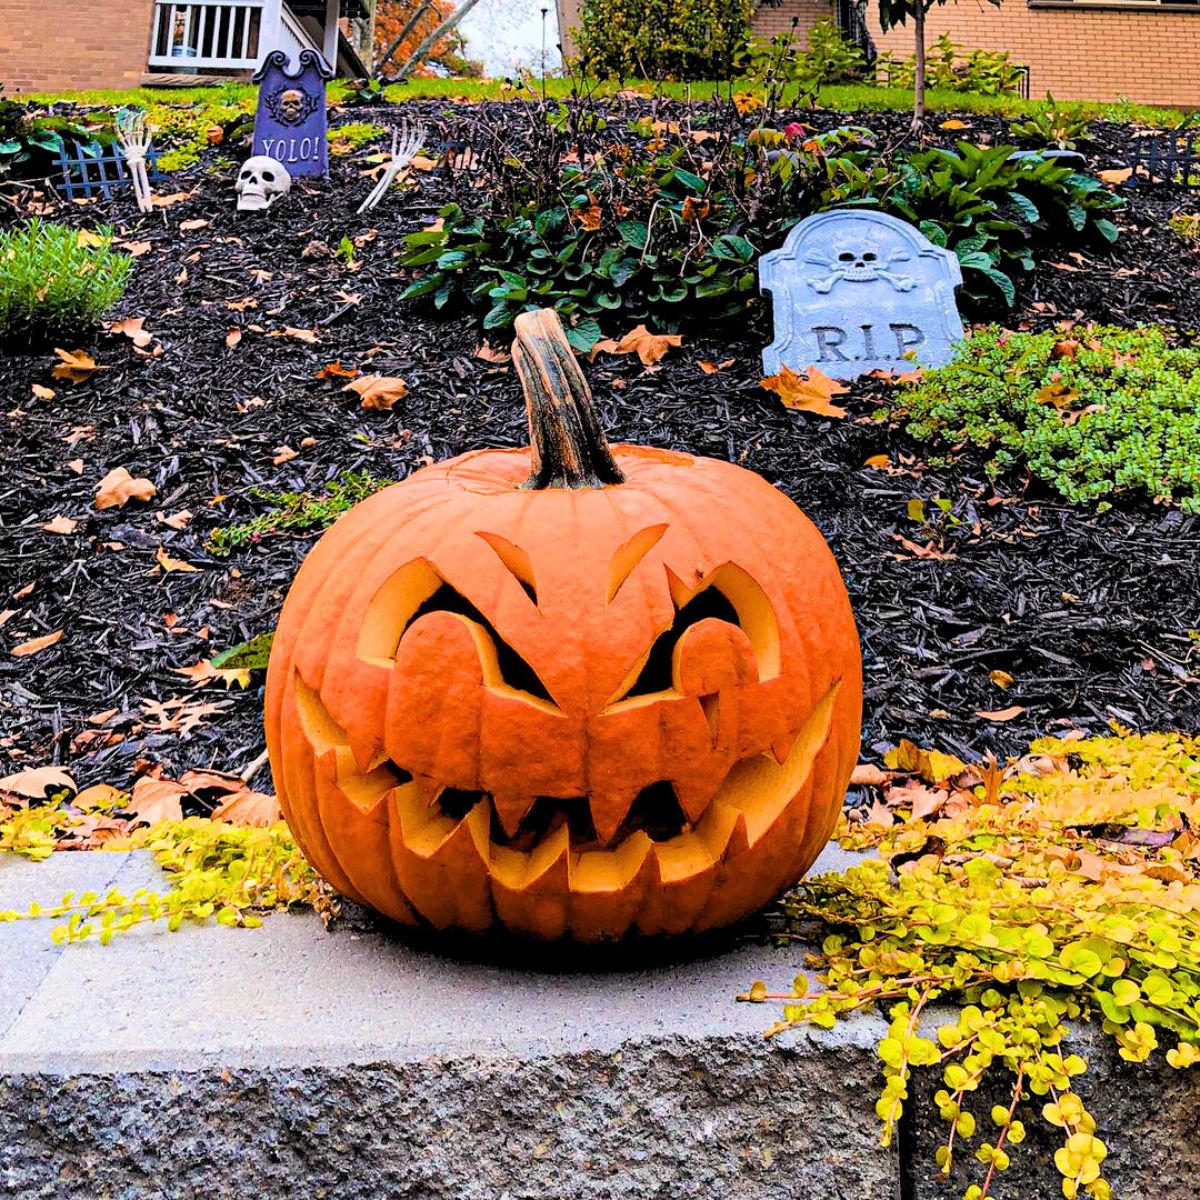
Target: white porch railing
[[214, 33], [231, 35]]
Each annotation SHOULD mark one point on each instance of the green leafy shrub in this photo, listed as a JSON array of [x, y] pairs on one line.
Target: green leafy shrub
[[29, 145], [296, 512], [990, 209], [681, 39], [1094, 414], [55, 280], [948, 69], [1061, 892], [672, 230], [1054, 125]]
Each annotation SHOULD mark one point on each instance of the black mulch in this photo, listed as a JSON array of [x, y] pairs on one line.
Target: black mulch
[[1090, 614]]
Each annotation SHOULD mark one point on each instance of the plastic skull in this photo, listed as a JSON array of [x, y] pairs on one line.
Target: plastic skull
[[261, 181]]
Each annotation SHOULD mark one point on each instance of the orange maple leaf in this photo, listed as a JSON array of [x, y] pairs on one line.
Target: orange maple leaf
[[649, 347], [810, 392]]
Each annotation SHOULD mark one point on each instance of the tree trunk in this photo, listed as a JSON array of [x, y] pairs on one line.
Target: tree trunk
[[918, 121], [418, 55]]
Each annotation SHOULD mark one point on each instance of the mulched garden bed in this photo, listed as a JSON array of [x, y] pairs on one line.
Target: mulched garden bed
[[1091, 614]]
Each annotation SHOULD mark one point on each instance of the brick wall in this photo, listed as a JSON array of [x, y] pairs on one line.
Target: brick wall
[[770, 21], [59, 45], [1076, 52]]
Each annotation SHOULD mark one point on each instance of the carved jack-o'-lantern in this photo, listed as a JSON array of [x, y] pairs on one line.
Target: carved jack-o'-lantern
[[620, 694]]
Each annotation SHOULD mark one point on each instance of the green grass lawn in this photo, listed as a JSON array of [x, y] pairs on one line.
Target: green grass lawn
[[842, 97]]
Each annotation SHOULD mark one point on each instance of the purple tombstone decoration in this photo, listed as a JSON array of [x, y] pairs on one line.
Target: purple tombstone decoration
[[291, 125]]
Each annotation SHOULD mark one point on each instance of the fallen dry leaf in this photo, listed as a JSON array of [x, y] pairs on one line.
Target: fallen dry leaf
[[136, 249], [133, 329], [335, 370], [203, 673], [60, 524], [1002, 679], [919, 551], [378, 391], [1001, 714], [1116, 175], [118, 487], [42, 392], [35, 645], [170, 564], [77, 366], [155, 800], [299, 335], [649, 347], [491, 354], [249, 808], [953, 124], [233, 337], [37, 783], [810, 392], [284, 454], [869, 775]]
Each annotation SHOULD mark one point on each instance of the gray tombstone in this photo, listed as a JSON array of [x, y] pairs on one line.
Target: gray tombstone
[[857, 291], [291, 125]]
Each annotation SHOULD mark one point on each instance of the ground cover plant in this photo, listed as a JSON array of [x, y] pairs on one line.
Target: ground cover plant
[[1092, 413], [1060, 889]]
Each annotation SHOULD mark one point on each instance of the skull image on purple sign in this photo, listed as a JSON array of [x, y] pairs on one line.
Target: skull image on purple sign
[[855, 292], [291, 124]]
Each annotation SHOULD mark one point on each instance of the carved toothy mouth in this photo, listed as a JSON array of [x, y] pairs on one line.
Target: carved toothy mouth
[[753, 795]]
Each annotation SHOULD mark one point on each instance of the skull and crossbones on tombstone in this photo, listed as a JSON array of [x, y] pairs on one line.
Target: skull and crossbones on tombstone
[[291, 106], [860, 259]]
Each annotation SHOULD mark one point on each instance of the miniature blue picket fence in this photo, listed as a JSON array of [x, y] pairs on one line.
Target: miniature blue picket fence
[[1170, 158], [94, 169]]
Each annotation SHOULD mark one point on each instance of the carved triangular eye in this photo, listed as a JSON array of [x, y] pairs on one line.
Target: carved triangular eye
[[655, 676], [514, 670], [417, 589]]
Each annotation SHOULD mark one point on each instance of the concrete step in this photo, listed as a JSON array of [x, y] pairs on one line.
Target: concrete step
[[291, 1061]]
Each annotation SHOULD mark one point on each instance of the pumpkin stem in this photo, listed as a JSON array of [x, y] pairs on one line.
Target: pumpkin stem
[[566, 441]]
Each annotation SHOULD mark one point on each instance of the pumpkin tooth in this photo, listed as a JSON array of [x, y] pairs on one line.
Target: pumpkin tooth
[[695, 797], [512, 810], [720, 827], [608, 815]]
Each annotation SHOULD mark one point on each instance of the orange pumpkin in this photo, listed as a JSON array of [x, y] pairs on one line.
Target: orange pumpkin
[[621, 694]]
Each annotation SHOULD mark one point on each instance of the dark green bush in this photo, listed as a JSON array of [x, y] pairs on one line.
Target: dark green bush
[[1093, 413], [655, 39], [55, 280], [672, 229]]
